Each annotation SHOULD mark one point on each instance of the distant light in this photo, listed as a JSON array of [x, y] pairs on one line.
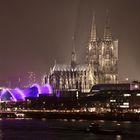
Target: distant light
[[21, 93], [126, 103], [112, 100], [13, 97], [138, 94], [57, 93], [136, 86], [38, 87], [126, 95], [126, 79], [137, 110], [18, 94], [77, 94], [124, 106]]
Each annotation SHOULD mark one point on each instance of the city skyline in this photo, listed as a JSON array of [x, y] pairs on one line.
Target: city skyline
[[34, 34]]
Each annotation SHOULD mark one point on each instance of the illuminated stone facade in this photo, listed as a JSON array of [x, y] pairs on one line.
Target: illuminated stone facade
[[72, 76], [102, 55], [100, 67]]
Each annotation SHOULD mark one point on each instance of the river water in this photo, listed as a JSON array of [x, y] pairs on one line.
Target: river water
[[35, 129]]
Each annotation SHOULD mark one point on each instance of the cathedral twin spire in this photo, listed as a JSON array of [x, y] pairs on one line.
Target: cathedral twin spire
[[93, 30], [107, 30], [73, 55], [93, 37]]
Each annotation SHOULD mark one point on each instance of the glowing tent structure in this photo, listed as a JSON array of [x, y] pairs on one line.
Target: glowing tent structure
[[20, 94]]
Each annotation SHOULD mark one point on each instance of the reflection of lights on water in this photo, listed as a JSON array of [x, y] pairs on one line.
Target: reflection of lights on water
[[118, 137], [43, 119], [81, 120], [1, 134], [19, 118], [127, 122], [65, 120], [118, 124], [101, 121], [73, 120]]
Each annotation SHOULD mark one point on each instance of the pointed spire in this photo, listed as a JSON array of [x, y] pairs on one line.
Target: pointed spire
[[54, 62], [93, 29], [73, 46], [73, 55], [107, 29]]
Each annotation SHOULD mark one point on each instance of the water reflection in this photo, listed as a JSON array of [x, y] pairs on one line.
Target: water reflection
[[1, 134], [43, 129], [118, 137]]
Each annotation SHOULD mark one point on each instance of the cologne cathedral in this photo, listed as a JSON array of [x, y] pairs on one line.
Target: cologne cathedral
[[101, 64]]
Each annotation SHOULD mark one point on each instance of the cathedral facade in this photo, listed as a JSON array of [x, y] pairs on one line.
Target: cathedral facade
[[101, 64]]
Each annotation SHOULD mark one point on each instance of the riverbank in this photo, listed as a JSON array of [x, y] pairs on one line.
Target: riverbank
[[30, 129], [74, 115], [86, 116]]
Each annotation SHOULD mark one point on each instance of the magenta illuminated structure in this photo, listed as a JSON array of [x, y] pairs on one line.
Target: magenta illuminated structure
[[20, 94]]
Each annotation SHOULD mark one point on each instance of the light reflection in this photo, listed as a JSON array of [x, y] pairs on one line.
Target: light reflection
[[118, 137], [1, 134]]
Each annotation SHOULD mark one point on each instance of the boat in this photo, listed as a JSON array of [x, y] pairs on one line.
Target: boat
[[94, 128]]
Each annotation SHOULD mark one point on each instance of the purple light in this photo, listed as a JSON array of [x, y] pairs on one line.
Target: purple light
[[18, 94], [14, 98], [38, 88], [21, 93], [49, 88], [46, 89], [4, 92], [57, 93]]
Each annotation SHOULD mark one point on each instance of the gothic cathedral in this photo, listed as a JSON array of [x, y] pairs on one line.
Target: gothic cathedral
[[101, 64]]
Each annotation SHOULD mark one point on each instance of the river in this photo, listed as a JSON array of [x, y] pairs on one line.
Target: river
[[42, 129]]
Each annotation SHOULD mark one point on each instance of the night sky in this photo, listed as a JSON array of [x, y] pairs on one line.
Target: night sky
[[35, 33]]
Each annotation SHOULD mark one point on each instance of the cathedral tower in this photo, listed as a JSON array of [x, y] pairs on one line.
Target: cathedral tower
[[102, 54], [92, 50], [73, 55], [107, 30], [109, 55]]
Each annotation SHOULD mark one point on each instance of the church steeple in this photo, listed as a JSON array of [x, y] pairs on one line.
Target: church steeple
[[93, 29], [107, 29], [73, 54]]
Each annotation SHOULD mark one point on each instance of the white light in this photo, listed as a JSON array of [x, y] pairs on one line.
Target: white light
[[124, 106], [126, 103], [92, 109], [77, 94], [137, 110], [126, 79], [112, 100], [136, 86], [126, 95], [138, 94], [89, 47]]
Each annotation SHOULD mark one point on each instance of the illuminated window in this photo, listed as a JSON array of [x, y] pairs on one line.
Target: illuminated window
[[112, 100], [138, 94], [126, 95], [126, 103], [136, 86], [124, 106]]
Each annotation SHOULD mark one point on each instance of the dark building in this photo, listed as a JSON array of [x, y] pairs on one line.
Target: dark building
[[119, 97]]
